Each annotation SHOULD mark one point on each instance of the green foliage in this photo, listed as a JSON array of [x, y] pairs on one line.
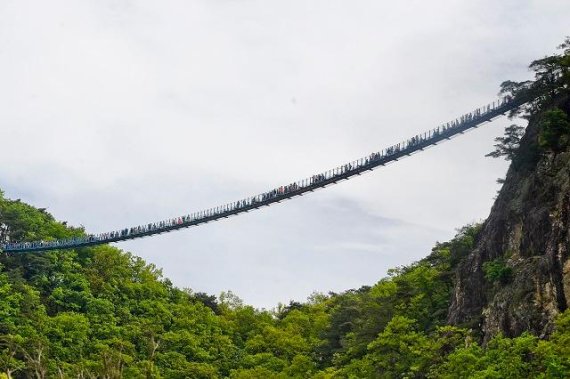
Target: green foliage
[[99, 312], [554, 132], [550, 87], [22, 222], [522, 357], [497, 271], [546, 103], [400, 350], [508, 145]]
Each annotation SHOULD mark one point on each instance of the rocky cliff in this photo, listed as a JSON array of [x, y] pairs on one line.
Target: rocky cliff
[[518, 276]]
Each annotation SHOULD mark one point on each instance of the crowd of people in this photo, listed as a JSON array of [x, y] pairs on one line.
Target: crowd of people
[[315, 181]]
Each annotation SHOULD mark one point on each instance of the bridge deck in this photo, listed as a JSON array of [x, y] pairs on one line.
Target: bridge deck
[[298, 188]]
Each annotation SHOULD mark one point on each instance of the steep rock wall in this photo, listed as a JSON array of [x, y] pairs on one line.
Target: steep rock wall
[[527, 229]]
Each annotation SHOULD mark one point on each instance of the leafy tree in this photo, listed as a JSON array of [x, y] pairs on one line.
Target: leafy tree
[[551, 84], [67, 333], [497, 271], [508, 145], [399, 351], [554, 130]]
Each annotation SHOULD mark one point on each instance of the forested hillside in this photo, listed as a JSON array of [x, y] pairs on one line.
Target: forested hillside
[[103, 313], [100, 312]]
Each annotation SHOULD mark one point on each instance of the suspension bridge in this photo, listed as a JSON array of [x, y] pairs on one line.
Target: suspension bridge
[[346, 171]]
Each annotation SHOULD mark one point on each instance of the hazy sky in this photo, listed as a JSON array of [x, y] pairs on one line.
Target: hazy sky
[[117, 113]]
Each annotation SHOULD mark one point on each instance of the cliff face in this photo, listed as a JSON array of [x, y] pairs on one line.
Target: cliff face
[[528, 233]]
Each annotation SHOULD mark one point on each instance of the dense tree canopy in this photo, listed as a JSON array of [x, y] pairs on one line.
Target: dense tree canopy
[[102, 313]]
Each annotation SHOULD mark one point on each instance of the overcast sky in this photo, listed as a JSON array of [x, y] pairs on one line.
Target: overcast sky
[[117, 113]]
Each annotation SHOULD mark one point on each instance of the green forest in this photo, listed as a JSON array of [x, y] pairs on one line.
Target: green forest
[[100, 312], [103, 313]]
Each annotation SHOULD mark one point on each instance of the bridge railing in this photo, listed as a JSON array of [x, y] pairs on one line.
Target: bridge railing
[[375, 159]]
